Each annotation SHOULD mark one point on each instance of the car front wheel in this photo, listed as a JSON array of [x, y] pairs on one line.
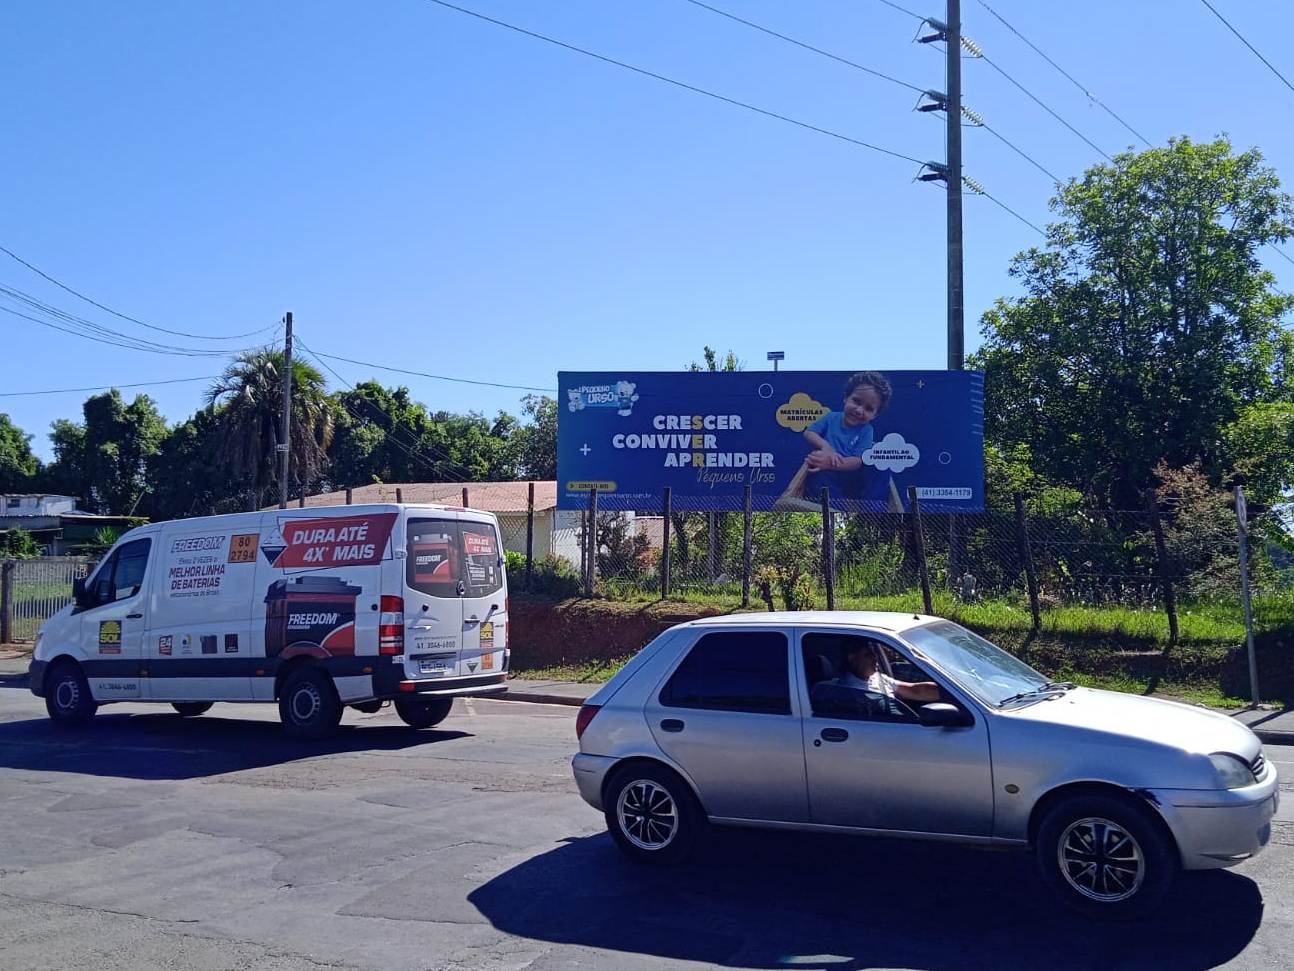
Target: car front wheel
[[652, 814], [1106, 856]]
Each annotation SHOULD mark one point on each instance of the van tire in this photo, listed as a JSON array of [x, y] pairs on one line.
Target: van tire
[[67, 696], [423, 712], [188, 709], [308, 704]]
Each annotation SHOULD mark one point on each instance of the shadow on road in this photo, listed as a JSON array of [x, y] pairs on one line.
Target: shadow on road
[[166, 746], [779, 900]]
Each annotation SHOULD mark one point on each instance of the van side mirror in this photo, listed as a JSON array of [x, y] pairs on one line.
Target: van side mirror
[[942, 715], [78, 591]]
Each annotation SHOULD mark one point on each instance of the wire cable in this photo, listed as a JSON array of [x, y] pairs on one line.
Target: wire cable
[[903, 10], [1019, 151], [134, 320], [1038, 101], [679, 84], [435, 377], [807, 47], [113, 343], [1091, 97], [1284, 80], [106, 387], [1002, 205]]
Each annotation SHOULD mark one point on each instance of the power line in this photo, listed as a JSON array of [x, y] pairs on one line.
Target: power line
[[1038, 101], [679, 84], [134, 320], [1091, 97], [1284, 80], [112, 343], [105, 387], [1021, 152], [807, 47], [1002, 205], [434, 377], [1282, 254], [903, 10]]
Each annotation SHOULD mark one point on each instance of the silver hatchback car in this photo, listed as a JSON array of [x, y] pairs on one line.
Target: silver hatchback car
[[913, 726]]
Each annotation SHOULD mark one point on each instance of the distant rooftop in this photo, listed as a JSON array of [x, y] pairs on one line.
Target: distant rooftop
[[493, 497]]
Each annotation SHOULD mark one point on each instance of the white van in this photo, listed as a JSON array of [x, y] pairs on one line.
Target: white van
[[314, 608]]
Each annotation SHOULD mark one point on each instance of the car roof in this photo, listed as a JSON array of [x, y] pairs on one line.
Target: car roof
[[887, 620]]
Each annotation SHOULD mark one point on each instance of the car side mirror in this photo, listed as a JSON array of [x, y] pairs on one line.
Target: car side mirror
[[942, 715]]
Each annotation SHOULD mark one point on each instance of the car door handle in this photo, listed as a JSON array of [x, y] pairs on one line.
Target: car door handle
[[134, 616], [834, 734], [671, 725]]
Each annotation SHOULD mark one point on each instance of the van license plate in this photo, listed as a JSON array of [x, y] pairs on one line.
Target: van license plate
[[435, 667]]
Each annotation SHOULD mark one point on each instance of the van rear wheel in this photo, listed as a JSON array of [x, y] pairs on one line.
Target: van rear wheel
[[188, 709], [308, 704], [67, 697], [423, 712]]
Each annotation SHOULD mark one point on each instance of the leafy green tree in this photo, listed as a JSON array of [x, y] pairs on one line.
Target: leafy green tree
[[188, 475], [247, 400], [536, 440], [18, 466], [1147, 324], [18, 544], [102, 460], [378, 430], [1262, 441]]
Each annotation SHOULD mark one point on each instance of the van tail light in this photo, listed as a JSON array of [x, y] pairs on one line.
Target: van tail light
[[390, 628], [583, 719]]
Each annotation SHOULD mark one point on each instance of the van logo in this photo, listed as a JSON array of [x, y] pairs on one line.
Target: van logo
[[312, 620]]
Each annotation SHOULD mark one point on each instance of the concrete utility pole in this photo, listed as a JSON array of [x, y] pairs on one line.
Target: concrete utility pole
[[285, 439], [956, 307]]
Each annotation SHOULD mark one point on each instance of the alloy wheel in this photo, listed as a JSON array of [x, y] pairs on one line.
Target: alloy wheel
[[647, 814], [1101, 860]]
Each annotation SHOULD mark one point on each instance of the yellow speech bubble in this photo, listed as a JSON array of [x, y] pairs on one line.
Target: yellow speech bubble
[[800, 412]]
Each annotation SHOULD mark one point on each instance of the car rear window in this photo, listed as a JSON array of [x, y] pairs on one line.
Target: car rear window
[[733, 671]]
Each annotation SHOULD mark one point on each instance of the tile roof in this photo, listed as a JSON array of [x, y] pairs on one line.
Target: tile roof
[[490, 496]]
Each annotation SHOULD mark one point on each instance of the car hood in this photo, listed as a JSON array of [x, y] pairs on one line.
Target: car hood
[[1169, 723]]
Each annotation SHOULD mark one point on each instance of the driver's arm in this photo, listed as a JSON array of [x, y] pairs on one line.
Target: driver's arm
[[917, 690]]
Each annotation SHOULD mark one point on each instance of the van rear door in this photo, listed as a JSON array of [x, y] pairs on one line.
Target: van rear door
[[484, 596], [433, 602]]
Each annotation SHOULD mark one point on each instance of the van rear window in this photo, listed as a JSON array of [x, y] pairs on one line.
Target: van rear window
[[481, 559], [448, 558]]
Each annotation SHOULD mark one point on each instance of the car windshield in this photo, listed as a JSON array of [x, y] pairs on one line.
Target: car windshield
[[985, 670]]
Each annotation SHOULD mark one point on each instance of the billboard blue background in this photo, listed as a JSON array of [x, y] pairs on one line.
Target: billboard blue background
[[709, 434]]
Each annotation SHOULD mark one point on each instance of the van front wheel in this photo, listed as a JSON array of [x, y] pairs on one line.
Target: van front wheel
[[67, 697], [188, 709], [308, 704], [423, 712]]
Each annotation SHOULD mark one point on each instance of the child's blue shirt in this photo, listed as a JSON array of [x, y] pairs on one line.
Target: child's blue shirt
[[848, 442]]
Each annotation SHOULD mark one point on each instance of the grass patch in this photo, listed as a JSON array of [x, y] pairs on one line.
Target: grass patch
[[587, 672]]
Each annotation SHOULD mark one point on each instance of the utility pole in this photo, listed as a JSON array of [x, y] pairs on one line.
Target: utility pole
[[285, 439], [956, 307]]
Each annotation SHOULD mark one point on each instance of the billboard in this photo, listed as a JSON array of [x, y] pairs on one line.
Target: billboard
[[864, 436]]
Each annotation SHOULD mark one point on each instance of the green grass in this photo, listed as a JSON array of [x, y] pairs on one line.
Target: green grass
[[587, 672]]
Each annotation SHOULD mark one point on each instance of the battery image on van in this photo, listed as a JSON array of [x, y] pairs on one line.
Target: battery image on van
[[310, 610], [345, 606]]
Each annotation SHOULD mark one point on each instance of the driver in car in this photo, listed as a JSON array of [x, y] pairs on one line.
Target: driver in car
[[862, 674]]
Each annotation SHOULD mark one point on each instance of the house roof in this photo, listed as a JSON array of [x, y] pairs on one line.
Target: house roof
[[496, 497]]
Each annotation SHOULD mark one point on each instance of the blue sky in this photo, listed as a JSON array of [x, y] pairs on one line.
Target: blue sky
[[433, 192]]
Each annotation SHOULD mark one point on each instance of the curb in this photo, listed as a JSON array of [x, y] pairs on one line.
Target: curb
[[1274, 738], [538, 698]]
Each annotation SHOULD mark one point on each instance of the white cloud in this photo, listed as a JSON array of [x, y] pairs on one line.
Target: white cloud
[[892, 454]]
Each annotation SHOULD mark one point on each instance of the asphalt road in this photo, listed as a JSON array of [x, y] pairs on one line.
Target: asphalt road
[[156, 841]]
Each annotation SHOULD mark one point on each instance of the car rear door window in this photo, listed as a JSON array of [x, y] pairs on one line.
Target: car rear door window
[[733, 671]]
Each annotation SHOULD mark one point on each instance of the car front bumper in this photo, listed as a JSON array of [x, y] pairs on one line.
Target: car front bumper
[[590, 772], [1220, 828]]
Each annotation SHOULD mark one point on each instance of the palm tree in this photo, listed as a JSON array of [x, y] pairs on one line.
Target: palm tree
[[247, 400]]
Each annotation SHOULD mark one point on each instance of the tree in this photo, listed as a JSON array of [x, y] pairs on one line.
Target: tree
[[1262, 439], [18, 544], [247, 400], [188, 475], [1147, 326], [378, 430], [536, 450], [18, 466], [102, 461]]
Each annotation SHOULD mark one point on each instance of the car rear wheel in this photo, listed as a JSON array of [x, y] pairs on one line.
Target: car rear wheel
[[652, 814], [423, 712], [188, 709], [1106, 856], [308, 704], [67, 697]]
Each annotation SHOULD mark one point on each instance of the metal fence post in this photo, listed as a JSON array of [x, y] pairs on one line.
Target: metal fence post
[[349, 495], [1026, 554], [590, 578], [301, 501], [828, 550], [399, 494], [665, 547], [712, 546], [745, 549], [466, 504], [530, 537], [1242, 530], [1161, 555], [6, 601], [919, 542]]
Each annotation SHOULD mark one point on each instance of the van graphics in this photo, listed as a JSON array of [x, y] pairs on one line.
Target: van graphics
[[109, 637], [310, 610], [335, 541], [196, 566], [487, 634], [242, 547], [165, 644], [231, 643], [208, 643]]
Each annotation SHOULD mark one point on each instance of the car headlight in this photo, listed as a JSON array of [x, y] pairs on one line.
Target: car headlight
[[1232, 771]]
